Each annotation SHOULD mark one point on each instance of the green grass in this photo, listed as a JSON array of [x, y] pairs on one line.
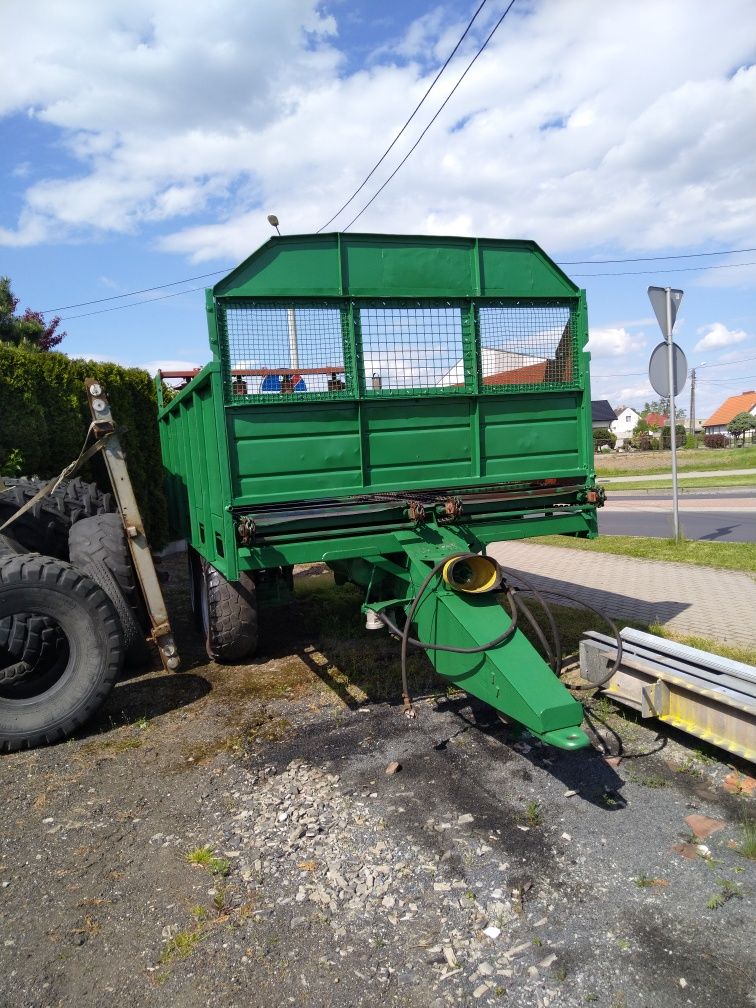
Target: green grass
[[748, 842], [702, 459], [724, 555], [686, 483], [204, 858]]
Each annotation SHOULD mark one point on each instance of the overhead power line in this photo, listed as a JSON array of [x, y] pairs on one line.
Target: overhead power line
[[144, 290], [687, 255], [416, 109], [655, 272], [438, 113], [132, 304]]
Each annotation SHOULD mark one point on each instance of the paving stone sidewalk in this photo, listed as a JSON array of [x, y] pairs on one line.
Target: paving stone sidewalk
[[699, 601]]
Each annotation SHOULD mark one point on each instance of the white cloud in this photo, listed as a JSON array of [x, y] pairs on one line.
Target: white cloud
[[219, 113], [717, 335], [613, 342]]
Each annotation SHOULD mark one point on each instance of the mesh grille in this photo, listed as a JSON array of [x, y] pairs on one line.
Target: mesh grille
[[413, 347], [273, 350], [526, 345], [283, 349]]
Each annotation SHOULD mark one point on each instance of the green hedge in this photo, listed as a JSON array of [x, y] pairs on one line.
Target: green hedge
[[44, 414]]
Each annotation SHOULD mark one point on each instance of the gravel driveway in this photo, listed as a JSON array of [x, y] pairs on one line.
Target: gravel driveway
[[231, 836]]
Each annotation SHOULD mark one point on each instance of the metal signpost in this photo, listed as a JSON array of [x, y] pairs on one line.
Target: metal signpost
[[668, 381]]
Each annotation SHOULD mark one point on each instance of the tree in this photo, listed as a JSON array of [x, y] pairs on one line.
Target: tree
[[29, 329], [661, 406], [739, 426]]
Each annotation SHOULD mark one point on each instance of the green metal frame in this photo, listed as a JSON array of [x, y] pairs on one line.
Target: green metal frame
[[257, 482]]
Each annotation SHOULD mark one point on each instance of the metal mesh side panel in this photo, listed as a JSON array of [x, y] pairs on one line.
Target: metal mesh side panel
[[411, 348], [276, 351], [527, 345]]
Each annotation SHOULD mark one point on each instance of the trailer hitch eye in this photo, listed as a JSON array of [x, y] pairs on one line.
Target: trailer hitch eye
[[472, 574]]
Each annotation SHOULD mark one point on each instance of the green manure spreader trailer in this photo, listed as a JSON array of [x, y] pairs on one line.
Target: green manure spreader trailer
[[390, 405]]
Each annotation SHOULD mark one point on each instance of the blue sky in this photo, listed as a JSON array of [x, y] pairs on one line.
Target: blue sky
[[146, 143]]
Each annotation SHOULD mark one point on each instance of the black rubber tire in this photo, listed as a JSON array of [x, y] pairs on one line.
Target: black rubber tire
[[23, 637], [229, 615], [44, 527], [98, 547], [60, 700]]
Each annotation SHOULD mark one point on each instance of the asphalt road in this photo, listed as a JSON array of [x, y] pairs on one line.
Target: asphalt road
[[714, 515]]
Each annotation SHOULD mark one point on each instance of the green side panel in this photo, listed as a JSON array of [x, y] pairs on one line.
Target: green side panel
[[194, 457], [390, 266], [345, 448]]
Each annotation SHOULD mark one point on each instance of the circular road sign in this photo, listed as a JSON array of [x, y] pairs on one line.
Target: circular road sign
[[658, 370]]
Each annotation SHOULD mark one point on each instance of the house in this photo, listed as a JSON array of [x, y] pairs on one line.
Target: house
[[656, 421], [743, 403], [602, 413], [624, 423]]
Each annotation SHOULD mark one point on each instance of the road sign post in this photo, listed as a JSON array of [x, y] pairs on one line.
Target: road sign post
[[665, 302]]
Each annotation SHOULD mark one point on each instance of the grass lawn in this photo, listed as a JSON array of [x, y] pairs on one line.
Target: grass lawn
[[704, 459], [725, 555], [691, 483]]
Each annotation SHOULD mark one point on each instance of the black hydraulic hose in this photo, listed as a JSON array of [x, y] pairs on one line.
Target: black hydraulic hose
[[555, 635], [609, 621], [516, 605], [405, 632], [525, 610]]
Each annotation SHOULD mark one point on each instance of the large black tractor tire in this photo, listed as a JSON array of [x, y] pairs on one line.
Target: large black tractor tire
[[24, 637], [44, 527], [45, 705], [98, 547], [229, 615]]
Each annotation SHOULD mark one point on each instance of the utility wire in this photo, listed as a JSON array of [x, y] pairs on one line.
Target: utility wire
[[416, 109], [437, 114], [203, 276], [688, 255], [741, 360], [681, 269], [133, 304], [144, 290]]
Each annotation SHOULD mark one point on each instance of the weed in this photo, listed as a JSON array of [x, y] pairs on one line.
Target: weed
[[198, 912], [180, 946], [221, 900], [646, 882], [602, 707], [537, 941], [533, 814], [748, 843], [624, 944], [560, 974], [204, 858], [647, 780], [727, 891], [470, 894], [142, 723], [591, 997], [688, 767], [500, 991]]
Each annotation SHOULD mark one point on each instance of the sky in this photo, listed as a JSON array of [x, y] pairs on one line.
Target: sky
[[145, 143]]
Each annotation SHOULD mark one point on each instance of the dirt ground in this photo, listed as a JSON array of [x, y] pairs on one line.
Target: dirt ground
[[230, 836]]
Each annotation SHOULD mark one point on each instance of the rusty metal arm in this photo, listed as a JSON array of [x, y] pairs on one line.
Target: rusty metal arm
[[115, 460]]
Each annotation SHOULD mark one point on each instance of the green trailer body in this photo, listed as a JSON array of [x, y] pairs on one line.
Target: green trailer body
[[376, 402]]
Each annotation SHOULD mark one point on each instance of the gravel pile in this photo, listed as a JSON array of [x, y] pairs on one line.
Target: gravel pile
[[306, 848]]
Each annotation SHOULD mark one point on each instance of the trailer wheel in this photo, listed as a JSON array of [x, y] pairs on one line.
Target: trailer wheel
[[229, 615], [98, 547], [43, 704], [44, 527]]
